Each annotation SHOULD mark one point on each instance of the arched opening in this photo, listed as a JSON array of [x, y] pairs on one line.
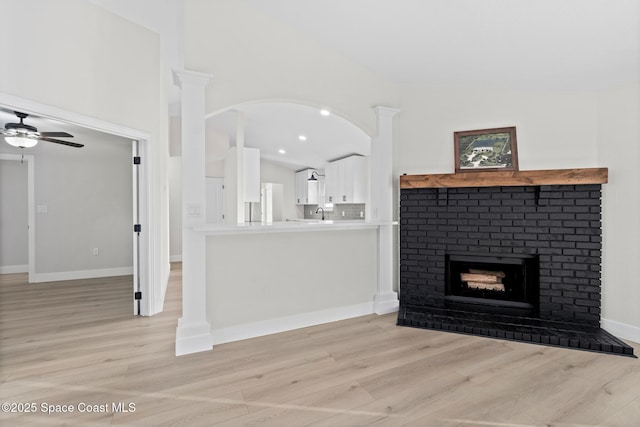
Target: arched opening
[[294, 142], [215, 256]]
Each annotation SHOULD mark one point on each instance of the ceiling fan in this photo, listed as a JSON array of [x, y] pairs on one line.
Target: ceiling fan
[[26, 136]]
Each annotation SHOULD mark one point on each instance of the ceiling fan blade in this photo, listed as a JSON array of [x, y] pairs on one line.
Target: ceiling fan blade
[[56, 135], [59, 141]]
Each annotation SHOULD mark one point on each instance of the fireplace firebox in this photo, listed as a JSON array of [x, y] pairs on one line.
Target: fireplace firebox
[[505, 284]]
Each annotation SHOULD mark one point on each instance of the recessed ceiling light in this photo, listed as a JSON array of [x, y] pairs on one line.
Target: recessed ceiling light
[[281, 151], [302, 137], [325, 112]]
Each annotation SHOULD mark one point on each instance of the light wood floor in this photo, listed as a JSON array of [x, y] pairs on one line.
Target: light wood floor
[[75, 343]]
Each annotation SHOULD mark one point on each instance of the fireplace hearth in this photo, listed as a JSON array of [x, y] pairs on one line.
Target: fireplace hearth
[[517, 262]]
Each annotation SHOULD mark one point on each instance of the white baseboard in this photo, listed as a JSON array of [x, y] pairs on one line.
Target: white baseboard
[[192, 337], [175, 258], [82, 274], [13, 269], [386, 303], [288, 323], [621, 330]]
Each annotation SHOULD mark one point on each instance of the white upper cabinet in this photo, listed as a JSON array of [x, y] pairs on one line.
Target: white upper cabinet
[[331, 182], [346, 180], [306, 191]]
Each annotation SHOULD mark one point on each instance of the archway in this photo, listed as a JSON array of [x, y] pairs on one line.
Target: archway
[[290, 137]]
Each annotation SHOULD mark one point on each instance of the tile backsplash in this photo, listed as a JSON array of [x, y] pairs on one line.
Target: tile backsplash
[[340, 212]]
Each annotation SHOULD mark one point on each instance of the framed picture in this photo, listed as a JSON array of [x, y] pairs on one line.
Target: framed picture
[[486, 149]]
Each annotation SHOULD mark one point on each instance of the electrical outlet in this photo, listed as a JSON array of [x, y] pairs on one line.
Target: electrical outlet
[[96, 251], [361, 214], [342, 213]]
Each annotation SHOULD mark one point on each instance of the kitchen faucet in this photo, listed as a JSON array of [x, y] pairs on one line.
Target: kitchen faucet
[[322, 212]]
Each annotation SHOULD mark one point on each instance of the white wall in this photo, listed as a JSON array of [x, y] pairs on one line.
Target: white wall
[[14, 256], [553, 129], [619, 150], [253, 58], [88, 197], [217, 145], [163, 17], [99, 71], [254, 288], [98, 65]]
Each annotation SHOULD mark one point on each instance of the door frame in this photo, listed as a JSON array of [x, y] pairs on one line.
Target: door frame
[[143, 260]]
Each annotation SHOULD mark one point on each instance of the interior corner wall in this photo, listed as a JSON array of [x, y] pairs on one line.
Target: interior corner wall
[[253, 57], [104, 76], [619, 150]]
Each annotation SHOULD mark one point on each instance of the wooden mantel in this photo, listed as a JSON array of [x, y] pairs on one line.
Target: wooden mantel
[[507, 178]]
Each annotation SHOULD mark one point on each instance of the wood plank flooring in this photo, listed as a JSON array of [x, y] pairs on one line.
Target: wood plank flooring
[[76, 343]]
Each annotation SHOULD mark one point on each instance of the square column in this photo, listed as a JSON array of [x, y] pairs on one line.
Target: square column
[[194, 330], [386, 299]]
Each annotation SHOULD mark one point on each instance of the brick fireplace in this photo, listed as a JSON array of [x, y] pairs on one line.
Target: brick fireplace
[[511, 256]]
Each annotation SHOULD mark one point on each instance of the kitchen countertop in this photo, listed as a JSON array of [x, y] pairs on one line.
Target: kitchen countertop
[[287, 226]]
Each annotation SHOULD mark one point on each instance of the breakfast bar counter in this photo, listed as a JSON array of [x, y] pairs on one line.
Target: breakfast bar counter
[[268, 278]]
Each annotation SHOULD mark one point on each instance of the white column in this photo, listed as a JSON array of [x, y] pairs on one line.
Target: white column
[[386, 300], [194, 331], [240, 167]]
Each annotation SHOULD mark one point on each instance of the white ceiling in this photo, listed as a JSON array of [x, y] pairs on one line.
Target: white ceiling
[[525, 44], [272, 126]]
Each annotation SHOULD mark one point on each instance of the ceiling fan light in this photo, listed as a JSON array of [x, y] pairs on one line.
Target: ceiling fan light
[[21, 141]]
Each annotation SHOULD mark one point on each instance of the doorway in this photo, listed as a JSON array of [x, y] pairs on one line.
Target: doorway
[[142, 270], [16, 214]]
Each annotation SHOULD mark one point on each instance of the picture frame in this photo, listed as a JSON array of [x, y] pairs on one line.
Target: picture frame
[[486, 150]]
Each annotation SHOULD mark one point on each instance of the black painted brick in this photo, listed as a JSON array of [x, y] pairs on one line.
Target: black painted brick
[[563, 229]]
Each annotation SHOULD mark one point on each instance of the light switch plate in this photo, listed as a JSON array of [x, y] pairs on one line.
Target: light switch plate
[[194, 210]]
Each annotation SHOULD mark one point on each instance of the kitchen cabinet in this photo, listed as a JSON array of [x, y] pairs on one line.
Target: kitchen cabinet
[[306, 191], [331, 182], [346, 180]]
